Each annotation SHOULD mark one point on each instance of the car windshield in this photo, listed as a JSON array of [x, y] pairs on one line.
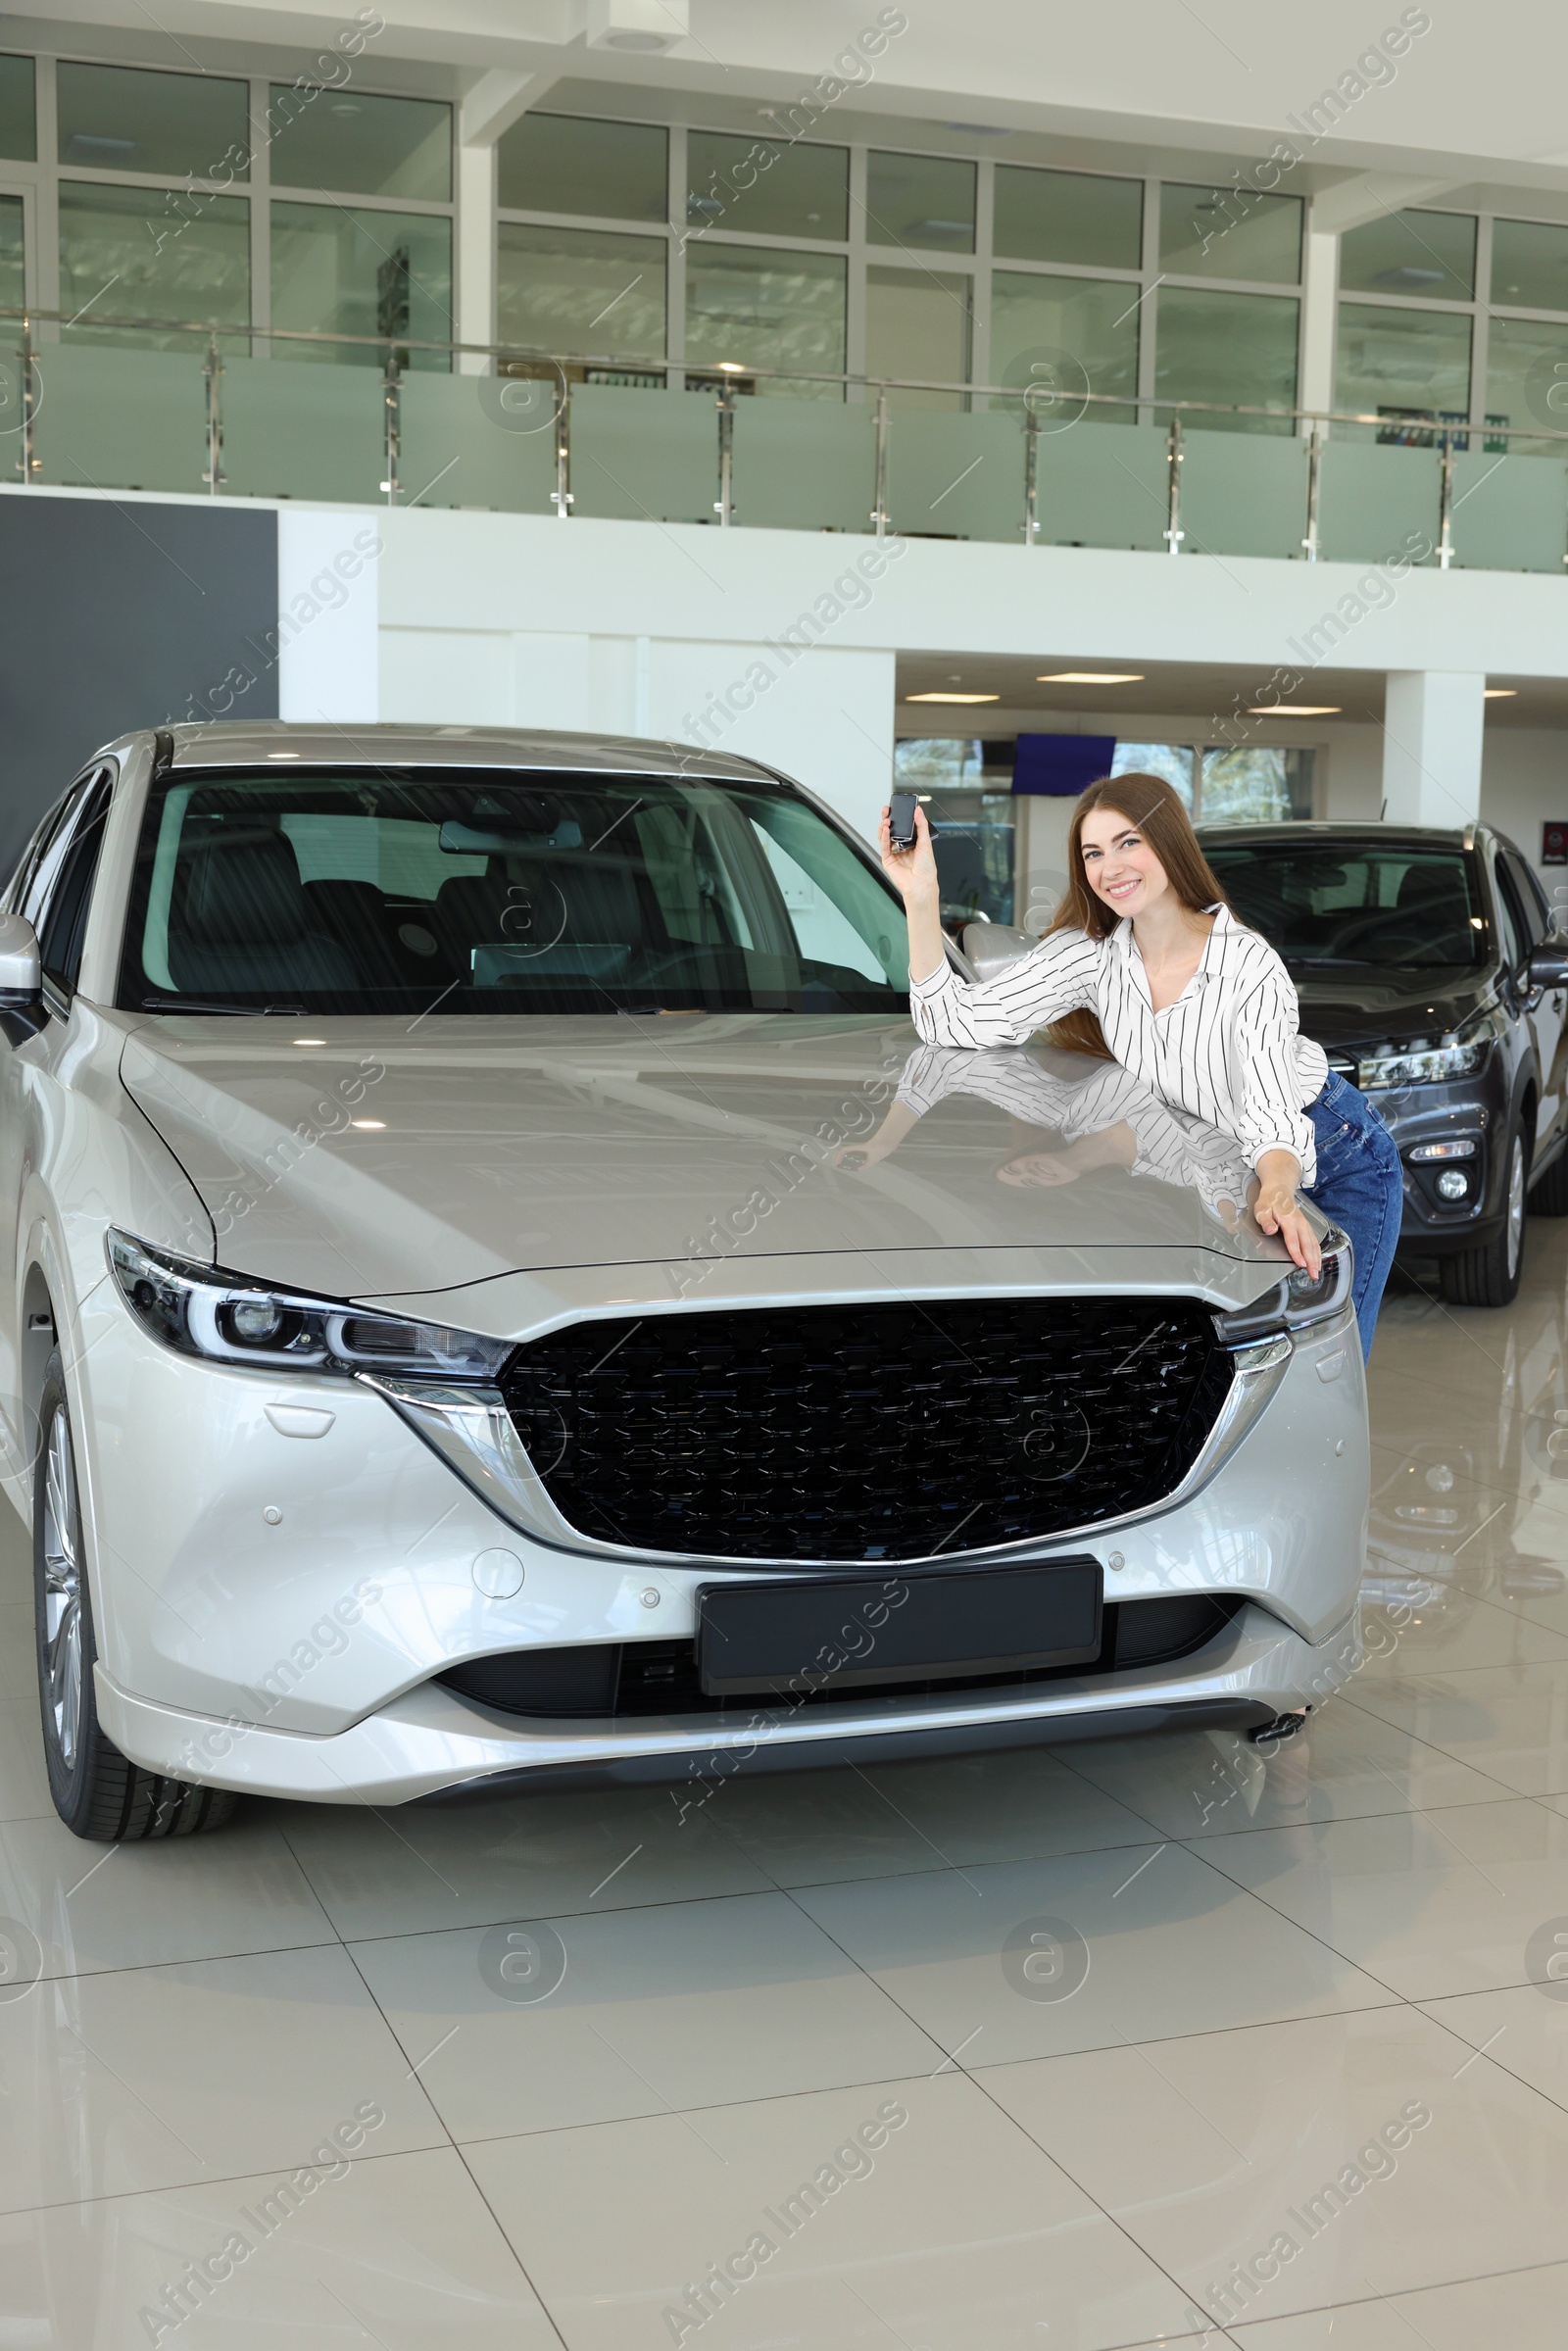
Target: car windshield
[[1318, 901], [430, 890]]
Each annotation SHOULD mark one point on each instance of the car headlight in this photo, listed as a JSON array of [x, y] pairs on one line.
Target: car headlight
[[1463, 1056], [226, 1318], [1295, 1302]]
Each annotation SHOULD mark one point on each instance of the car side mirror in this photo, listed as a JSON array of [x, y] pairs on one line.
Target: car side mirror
[[1549, 963], [992, 946], [20, 981]]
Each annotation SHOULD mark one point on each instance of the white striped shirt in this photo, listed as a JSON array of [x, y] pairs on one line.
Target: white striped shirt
[[1170, 1146], [1229, 1051]]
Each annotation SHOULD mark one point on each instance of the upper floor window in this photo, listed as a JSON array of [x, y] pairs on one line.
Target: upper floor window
[[1078, 218], [1530, 265], [347, 141], [18, 134], [569, 163], [1224, 232], [1430, 255], [175, 125], [766, 187], [920, 200]]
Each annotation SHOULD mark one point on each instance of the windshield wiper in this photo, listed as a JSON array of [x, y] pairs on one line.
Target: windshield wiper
[[198, 1004]]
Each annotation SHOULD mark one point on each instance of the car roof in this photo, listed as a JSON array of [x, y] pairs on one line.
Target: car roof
[[1327, 830], [235, 744]]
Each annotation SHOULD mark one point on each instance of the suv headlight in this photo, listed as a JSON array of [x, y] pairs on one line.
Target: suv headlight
[[1463, 1056], [1295, 1302], [226, 1318]]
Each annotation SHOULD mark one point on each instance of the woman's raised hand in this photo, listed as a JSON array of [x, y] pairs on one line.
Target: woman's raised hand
[[912, 871]]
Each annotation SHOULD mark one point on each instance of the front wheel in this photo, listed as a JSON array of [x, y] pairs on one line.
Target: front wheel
[[1488, 1276], [98, 1793]]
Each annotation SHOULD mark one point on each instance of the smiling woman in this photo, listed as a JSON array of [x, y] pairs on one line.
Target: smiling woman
[[1145, 963]]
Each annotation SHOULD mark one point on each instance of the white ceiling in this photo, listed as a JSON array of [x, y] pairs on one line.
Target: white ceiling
[[1477, 96]]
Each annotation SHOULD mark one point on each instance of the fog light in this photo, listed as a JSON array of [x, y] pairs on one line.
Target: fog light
[[1453, 1184]]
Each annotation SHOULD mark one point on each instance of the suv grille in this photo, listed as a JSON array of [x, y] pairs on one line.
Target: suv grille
[[886, 1432]]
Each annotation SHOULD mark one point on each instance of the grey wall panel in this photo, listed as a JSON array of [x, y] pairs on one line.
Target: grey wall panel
[[117, 613]]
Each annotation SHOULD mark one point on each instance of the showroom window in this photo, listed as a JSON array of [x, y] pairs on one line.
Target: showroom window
[[219, 200], [1255, 784], [1458, 319], [18, 110]]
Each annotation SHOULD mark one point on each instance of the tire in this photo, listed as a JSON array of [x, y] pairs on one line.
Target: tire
[[1488, 1276], [98, 1793], [1548, 1197]]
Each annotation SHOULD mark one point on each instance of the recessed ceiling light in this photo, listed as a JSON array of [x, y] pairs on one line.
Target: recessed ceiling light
[[1293, 709], [1091, 677], [377, 1123], [309, 1040], [952, 698], [1500, 693], [282, 754]]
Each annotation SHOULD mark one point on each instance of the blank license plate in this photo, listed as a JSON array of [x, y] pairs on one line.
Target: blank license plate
[[852, 1631]]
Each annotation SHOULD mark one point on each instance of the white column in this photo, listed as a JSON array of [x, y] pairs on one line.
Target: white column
[[1320, 275], [1431, 725], [497, 100], [476, 256]]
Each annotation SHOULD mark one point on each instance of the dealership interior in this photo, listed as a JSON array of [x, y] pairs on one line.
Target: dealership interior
[[966, 403]]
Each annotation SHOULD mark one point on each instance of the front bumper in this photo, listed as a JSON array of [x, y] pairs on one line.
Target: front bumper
[[430, 1740], [1473, 1110]]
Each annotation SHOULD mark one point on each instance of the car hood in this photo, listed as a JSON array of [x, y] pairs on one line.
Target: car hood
[[359, 1158], [1370, 1006]]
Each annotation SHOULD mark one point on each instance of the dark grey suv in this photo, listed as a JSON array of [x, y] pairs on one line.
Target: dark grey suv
[[1430, 968]]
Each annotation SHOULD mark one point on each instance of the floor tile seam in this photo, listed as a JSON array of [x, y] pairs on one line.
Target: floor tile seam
[[445, 2128], [1316, 2310], [505, 2235], [152, 1967], [1124, 2234], [1252, 1827], [939, 1869], [1419, 1738], [717, 2106], [398, 2043], [1084, 1778], [1523, 1795], [179, 2188], [1483, 2050], [1321, 1940]]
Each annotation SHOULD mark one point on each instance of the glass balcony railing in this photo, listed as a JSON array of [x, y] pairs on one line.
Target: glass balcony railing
[[768, 449]]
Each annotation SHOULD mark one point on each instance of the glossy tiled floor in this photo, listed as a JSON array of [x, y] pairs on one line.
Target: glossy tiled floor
[[1317, 2035]]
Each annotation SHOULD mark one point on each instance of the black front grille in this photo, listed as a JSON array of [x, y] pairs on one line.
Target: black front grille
[[660, 1677], [886, 1432]]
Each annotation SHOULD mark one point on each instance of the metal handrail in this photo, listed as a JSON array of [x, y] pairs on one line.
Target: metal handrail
[[641, 365], [1443, 435]]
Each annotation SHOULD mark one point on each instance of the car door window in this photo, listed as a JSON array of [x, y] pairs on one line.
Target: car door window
[[35, 877], [1515, 930], [1527, 893], [62, 917]]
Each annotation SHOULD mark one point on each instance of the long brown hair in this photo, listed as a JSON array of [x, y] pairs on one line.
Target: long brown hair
[[1149, 802]]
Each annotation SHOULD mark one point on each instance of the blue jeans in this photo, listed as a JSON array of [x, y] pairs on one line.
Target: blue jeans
[[1360, 1186]]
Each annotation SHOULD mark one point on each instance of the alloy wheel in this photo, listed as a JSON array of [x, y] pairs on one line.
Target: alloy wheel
[[62, 1582]]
